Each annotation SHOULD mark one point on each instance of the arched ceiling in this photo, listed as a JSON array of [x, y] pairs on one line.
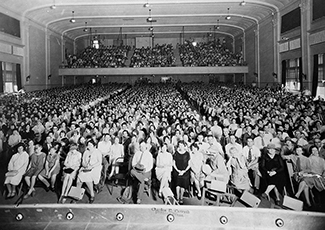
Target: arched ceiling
[[129, 17]]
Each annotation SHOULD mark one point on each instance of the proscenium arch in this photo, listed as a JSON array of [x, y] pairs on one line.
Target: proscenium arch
[[157, 16], [256, 2]]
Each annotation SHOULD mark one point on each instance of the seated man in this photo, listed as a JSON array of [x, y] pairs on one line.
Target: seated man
[[142, 163], [252, 155]]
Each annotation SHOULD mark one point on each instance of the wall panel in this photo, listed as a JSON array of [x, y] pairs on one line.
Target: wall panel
[[266, 52], [37, 59]]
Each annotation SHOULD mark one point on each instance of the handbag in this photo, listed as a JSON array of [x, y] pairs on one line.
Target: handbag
[[139, 167], [76, 193], [68, 170], [86, 170], [11, 173]]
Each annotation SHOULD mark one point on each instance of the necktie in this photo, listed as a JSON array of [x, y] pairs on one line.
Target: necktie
[[249, 158], [298, 165], [263, 142]]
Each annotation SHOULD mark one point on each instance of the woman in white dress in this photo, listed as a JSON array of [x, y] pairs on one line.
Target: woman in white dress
[[70, 169], [91, 168], [16, 169], [117, 150], [164, 165]]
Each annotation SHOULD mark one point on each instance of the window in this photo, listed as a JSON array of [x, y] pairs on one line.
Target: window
[[9, 77], [321, 67], [292, 82]]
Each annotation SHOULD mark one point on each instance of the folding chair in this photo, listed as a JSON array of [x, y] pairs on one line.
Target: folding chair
[[291, 173], [120, 178], [217, 192]]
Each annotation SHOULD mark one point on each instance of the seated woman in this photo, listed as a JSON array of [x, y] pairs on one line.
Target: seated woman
[[70, 168], [51, 169], [91, 168], [164, 165], [237, 169], [272, 170], [196, 167], [36, 163], [215, 167], [16, 169], [314, 177]]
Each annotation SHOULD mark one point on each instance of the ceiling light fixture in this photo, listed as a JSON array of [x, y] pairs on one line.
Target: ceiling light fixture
[[218, 27], [149, 19], [146, 5], [85, 29], [150, 28], [228, 17], [242, 3], [72, 20]]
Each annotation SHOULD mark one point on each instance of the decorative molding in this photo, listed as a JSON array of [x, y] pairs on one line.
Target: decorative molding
[[295, 44], [5, 48], [284, 47], [317, 37]]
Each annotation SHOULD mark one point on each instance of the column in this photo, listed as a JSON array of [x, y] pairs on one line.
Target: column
[[305, 48]]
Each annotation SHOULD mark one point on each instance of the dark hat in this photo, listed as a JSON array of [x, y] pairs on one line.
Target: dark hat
[[20, 144], [73, 146]]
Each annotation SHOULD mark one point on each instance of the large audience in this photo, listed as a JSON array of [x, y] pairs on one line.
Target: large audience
[[157, 56], [213, 53], [103, 57], [177, 135]]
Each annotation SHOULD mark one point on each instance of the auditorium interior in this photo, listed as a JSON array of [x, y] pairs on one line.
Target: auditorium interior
[[167, 114]]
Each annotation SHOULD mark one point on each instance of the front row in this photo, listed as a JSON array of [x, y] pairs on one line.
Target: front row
[[264, 173]]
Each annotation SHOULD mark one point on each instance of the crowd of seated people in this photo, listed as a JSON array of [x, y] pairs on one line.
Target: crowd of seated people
[[157, 56], [271, 124], [240, 139], [213, 53], [103, 57]]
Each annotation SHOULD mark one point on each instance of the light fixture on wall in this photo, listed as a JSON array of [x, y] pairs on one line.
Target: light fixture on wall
[[242, 3], [85, 29], [228, 17], [72, 20], [53, 7], [275, 75], [304, 76]]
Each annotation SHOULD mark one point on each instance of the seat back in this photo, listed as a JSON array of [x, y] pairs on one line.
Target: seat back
[[291, 173]]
